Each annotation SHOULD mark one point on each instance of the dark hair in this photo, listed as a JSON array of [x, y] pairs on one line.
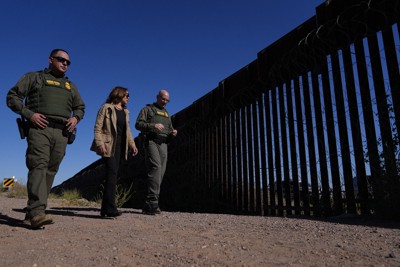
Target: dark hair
[[116, 95], [55, 51]]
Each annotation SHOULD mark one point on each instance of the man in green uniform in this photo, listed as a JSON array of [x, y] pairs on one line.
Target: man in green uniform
[[155, 124], [52, 107]]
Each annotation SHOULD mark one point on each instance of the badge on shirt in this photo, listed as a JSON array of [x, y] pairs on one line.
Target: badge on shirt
[[161, 113], [68, 85], [51, 82]]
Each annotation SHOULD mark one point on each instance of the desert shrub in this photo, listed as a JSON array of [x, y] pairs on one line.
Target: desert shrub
[[123, 194], [16, 191]]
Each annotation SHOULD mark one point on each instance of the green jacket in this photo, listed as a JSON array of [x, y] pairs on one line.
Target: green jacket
[[33, 94], [149, 116]]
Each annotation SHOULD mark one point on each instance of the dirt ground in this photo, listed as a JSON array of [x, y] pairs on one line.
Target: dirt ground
[[80, 237]]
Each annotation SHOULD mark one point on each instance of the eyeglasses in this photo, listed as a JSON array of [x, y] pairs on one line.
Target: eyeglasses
[[63, 60], [127, 95]]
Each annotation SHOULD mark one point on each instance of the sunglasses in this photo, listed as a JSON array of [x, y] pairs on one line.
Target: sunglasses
[[63, 60], [127, 95]]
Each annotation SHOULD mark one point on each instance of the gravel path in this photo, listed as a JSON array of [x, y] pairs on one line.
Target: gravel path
[[80, 238]]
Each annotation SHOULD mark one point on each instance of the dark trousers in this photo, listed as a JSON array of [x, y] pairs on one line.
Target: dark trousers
[[156, 156], [108, 204], [46, 150]]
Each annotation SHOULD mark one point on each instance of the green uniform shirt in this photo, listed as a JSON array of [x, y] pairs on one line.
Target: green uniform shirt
[[29, 86], [149, 116]]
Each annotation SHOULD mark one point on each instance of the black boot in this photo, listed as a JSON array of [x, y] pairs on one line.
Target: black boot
[[150, 208]]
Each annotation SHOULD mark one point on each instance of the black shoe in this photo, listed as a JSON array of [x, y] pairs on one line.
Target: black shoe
[[149, 212], [110, 214], [151, 209]]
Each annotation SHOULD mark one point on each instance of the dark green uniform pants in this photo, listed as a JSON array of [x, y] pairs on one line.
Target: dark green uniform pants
[[156, 163], [46, 149]]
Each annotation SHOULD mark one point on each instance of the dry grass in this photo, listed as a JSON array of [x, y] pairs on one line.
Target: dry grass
[[16, 191], [67, 198], [123, 194]]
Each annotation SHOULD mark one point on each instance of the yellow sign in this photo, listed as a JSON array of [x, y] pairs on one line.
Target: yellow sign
[[8, 182]]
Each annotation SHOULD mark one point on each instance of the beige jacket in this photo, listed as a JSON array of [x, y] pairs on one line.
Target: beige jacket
[[105, 130]]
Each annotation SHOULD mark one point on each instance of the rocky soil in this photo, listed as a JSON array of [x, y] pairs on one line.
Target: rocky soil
[[80, 237]]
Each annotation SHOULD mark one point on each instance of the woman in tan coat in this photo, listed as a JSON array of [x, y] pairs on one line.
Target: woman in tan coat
[[112, 141]]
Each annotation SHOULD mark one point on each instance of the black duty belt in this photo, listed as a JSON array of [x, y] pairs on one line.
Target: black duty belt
[[157, 138], [56, 125]]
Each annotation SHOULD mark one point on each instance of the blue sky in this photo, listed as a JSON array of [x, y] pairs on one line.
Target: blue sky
[[186, 47]]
